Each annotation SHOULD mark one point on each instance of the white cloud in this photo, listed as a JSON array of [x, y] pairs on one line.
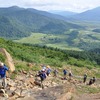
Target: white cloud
[[73, 5]]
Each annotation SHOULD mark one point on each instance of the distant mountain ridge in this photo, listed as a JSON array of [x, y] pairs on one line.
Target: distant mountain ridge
[[89, 15], [64, 13], [20, 22]]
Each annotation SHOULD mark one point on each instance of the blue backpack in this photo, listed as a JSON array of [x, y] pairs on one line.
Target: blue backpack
[[43, 75], [65, 72]]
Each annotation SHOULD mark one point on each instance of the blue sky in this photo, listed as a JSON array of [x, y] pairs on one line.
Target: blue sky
[[65, 5]]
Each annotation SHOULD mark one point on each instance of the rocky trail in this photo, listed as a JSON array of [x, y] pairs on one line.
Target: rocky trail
[[26, 86]]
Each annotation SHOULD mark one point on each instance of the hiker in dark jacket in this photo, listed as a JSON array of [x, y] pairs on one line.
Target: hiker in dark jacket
[[84, 78], [3, 70], [94, 80], [64, 73], [42, 75], [91, 82], [70, 75], [55, 72], [48, 70]]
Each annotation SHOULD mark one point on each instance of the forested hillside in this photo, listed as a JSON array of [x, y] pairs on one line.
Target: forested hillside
[[18, 22], [53, 57]]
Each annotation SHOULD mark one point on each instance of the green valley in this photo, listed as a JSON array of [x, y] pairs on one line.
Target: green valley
[[71, 40]]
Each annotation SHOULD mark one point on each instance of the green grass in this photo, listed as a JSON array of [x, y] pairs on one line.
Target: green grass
[[82, 40], [88, 89], [55, 41]]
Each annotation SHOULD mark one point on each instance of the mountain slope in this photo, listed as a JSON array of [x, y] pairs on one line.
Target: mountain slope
[[21, 22], [90, 15], [64, 13]]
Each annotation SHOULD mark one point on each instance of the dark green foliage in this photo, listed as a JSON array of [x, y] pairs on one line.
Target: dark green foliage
[[18, 22], [96, 30], [2, 58], [54, 57], [73, 35], [9, 30]]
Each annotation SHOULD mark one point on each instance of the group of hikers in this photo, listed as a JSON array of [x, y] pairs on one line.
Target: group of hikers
[[43, 74], [91, 81], [46, 70]]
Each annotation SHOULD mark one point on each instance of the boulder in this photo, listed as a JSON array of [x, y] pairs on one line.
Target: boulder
[[9, 59]]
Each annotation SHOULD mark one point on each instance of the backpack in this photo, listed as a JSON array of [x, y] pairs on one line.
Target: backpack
[[65, 72], [42, 76]]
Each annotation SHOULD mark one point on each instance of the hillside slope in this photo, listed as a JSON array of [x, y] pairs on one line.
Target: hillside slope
[[92, 15], [19, 22]]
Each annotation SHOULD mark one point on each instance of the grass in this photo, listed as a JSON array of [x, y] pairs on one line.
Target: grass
[[56, 41], [88, 89], [84, 38]]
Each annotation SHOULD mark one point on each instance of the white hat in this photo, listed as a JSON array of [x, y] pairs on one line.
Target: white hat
[[1, 64], [43, 69]]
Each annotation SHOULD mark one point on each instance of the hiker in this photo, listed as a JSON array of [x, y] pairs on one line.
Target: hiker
[[64, 73], [93, 80], [55, 72], [3, 70], [43, 67], [48, 71], [42, 75], [84, 78], [70, 74]]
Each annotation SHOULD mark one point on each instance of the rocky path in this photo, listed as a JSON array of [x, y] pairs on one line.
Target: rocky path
[[24, 88]]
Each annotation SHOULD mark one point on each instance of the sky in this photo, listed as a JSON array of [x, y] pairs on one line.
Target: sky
[[49, 5]]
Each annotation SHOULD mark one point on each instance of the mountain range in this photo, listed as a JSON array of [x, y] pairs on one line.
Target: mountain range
[[19, 22], [63, 13], [90, 15], [64, 29]]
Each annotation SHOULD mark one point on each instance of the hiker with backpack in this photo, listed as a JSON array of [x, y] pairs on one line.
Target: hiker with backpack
[[70, 75], [42, 75], [44, 67], [91, 81], [64, 73], [84, 78], [3, 70], [94, 79], [48, 70], [55, 72]]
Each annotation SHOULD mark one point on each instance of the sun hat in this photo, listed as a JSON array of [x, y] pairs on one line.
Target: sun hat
[[1, 64]]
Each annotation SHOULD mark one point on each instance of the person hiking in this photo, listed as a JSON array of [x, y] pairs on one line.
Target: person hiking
[[48, 71], [64, 73], [42, 75], [84, 78], [70, 74], [55, 72], [93, 80], [3, 70], [43, 67]]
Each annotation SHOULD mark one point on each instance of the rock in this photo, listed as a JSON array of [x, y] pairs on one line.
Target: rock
[[26, 98], [17, 92], [11, 83], [12, 88], [24, 72], [30, 82], [30, 65], [9, 59], [66, 96]]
